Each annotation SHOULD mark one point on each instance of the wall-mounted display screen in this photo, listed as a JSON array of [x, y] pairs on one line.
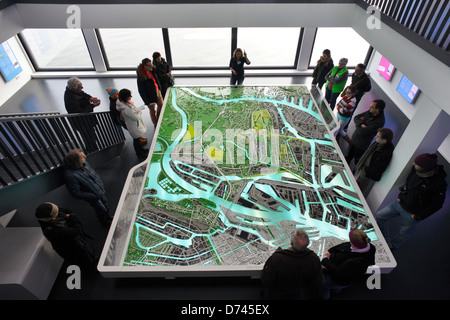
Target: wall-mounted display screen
[[386, 69], [9, 66], [407, 89]]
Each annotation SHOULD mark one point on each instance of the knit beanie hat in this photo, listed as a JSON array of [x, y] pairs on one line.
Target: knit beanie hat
[[358, 238], [111, 91], [46, 211], [426, 161]]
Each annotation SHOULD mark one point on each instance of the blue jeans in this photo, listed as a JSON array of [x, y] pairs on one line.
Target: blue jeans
[[328, 286], [407, 226]]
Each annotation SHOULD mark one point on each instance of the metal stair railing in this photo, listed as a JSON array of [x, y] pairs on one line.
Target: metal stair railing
[[37, 143]]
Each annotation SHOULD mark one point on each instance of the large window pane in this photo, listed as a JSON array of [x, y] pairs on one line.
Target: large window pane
[[58, 48], [343, 43], [200, 47], [269, 47], [125, 48]]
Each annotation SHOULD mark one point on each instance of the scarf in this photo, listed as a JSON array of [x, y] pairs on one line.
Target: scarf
[[324, 61], [149, 75], [365, 159], [366, 249]]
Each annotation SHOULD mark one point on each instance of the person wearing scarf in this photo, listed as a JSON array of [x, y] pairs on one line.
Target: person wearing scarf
[[422, 195], [375, 160], [323, 66], [149, 88], [65, 233], [346, 263]]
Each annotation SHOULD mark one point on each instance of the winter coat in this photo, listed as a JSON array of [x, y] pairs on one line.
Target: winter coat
[[83, 183], [133, 118], [290, 271], [346, 267], [147, 87], [423, 196], [362, 137]]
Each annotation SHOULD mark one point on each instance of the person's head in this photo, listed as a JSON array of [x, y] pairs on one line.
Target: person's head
[[326, 54], [377, 107], [358, 239], [46, 212], [156, 56], [147, 63], [360, 69], [124, 95], [384, 135], [343, 62], [238, 54], [425, 162], [113, 93], [350, 92], [75, 158], [299, 240], [75, 84]]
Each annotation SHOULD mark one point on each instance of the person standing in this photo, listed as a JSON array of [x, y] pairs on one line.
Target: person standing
[[84, 183], [163, 71], [323, 66], [422, 195], [66, 235], [366, 126], [78, 101], [236, 65], [115, 114], [134, 122], [292, 273], [347, 263], [375, 160], [345, 108], [149, 89], [336, 81]]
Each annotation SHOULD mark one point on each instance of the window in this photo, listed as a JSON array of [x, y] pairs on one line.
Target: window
[[200, 47], [125, 48], [274, 47], [57, 48], [343, 43]]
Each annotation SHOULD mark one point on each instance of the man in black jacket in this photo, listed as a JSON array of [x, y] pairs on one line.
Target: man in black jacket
[[65, 232], [293, 273], [366, 126], [78, 101], [84, 183], [375, 160], [422, 195]]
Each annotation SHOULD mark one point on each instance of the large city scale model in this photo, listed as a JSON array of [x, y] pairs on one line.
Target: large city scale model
[[233, 172]]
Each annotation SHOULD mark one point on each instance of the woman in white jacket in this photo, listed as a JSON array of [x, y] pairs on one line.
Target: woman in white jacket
[[133, 119]]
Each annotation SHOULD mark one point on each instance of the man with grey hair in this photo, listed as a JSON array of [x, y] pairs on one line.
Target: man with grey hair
[[292, 273], [78, 101]]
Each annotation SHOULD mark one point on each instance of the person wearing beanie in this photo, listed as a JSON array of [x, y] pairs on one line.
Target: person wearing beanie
[[422, 195], [115, 114], [65, 233], [346, 263]]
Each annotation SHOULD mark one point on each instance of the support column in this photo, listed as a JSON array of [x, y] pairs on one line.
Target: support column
[[425, 133], [309, 35]]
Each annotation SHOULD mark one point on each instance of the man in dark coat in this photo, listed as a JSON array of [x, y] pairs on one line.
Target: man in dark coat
[[375, 160], [78, 101], [366, 126], [293, 273], [149, 88], [65, 232], [83, 182], [422, 195]]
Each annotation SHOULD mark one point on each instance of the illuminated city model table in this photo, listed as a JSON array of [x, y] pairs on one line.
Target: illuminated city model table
[[231, 173]]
